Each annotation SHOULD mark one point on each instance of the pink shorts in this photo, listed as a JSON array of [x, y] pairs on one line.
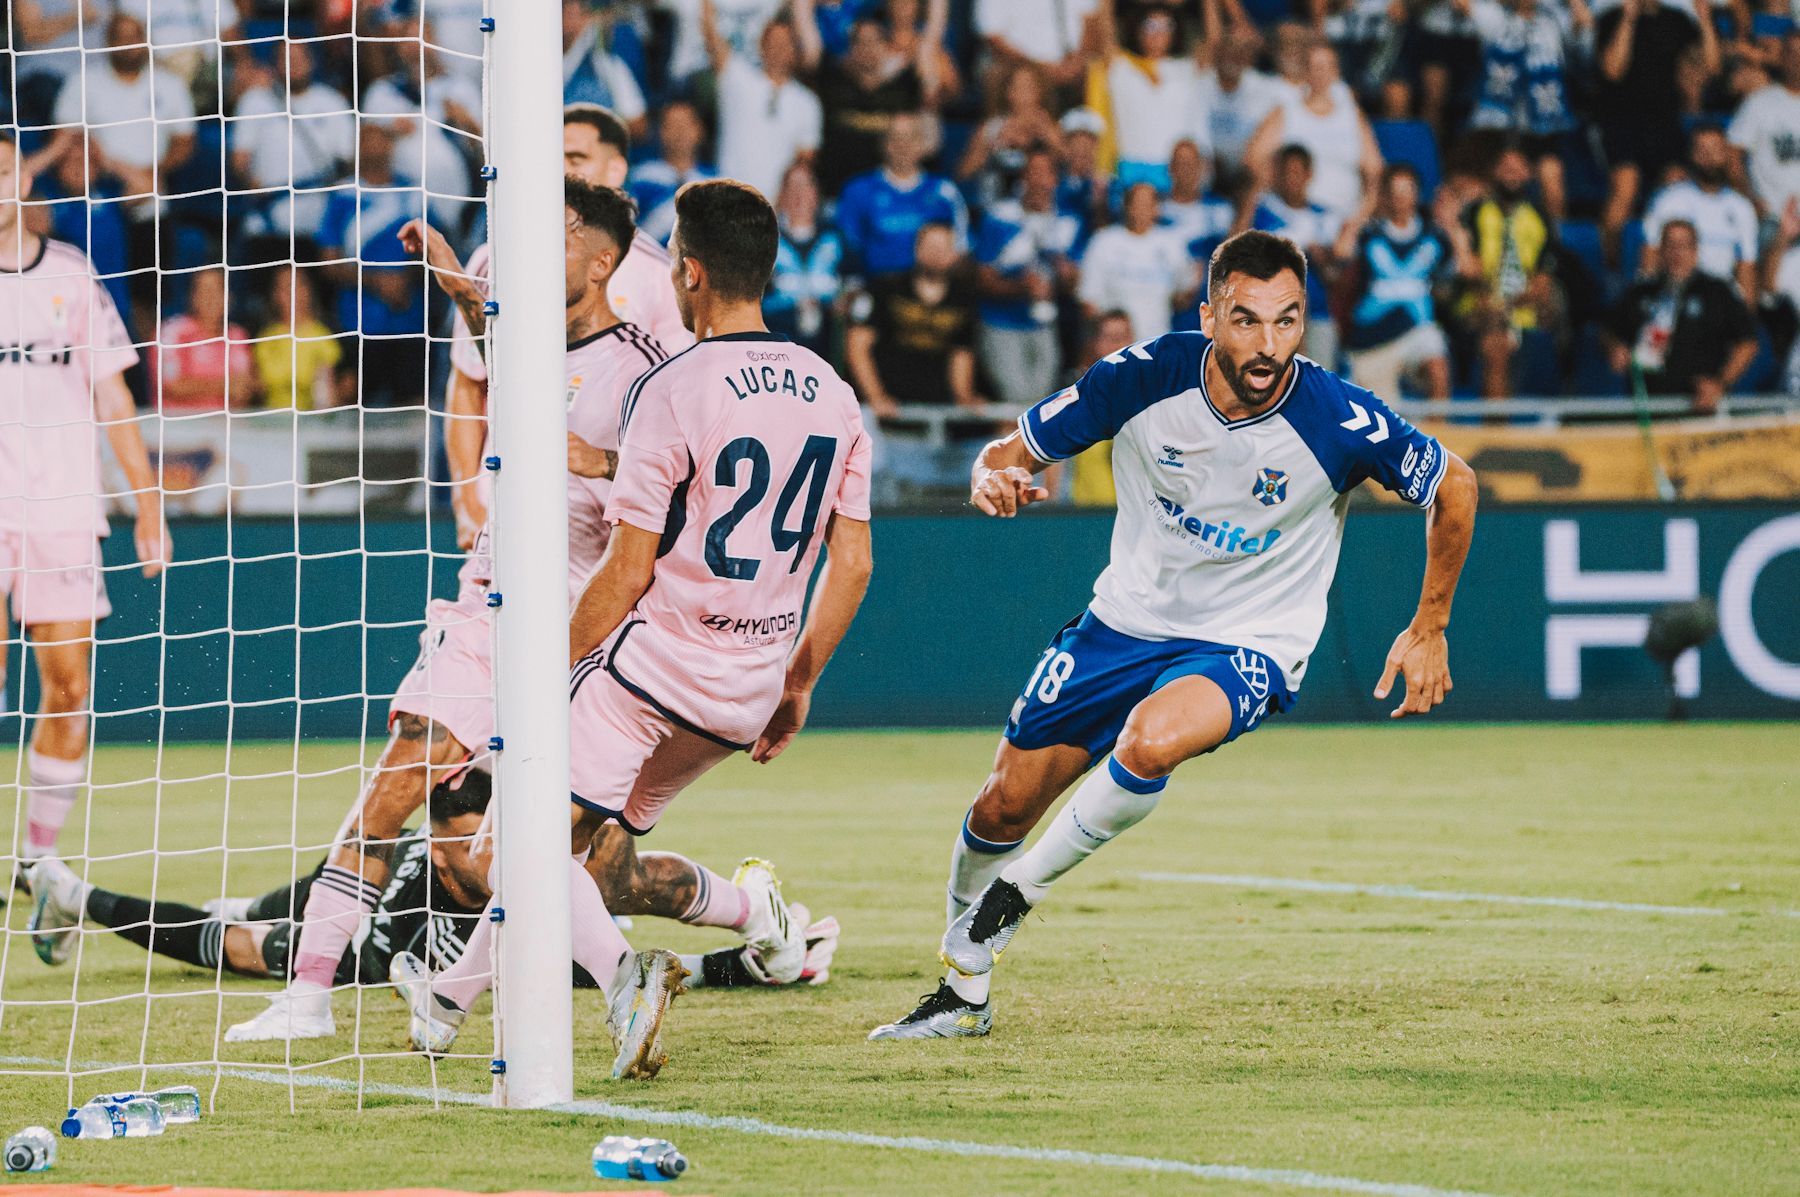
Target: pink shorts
[[628, 757], [53, 577], [452, 682]]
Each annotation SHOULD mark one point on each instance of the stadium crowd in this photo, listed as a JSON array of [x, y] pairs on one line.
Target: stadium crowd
[[1497, 197]]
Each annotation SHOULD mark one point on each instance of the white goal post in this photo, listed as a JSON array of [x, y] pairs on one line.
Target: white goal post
[[235, 706], [533, 1019]]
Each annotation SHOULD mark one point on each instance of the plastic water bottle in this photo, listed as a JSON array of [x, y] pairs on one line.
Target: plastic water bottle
[[620, 1157], [95, 1121], [143, 1118], [179, 1103], [31, 1150]]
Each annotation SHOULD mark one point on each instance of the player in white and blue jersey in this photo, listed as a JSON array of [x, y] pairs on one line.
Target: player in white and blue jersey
[[1234, 458]]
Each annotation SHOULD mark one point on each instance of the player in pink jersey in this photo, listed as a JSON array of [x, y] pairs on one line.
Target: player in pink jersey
[[740, 459], [442, 715], [595, 148], [63, 354]]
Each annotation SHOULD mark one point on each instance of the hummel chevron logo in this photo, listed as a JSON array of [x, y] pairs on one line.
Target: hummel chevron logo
[[1362, 419]]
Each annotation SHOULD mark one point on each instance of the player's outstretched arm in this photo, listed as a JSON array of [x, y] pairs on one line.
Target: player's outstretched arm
[[1422, 652], [619, 582], [1001, 482], [448, 273], [849, 562], [118, 414]]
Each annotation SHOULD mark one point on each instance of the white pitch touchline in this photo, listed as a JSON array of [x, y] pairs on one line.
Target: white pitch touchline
[[1291, 1177], [1430, 895]]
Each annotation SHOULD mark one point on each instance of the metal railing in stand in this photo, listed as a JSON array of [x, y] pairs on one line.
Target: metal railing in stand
[[933, 422]]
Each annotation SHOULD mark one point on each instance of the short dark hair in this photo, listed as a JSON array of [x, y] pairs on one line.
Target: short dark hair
[[607, 209], [465, 793], [1294, 149], [1255, 253], [603, 121], [1395, 170], [729, 228]]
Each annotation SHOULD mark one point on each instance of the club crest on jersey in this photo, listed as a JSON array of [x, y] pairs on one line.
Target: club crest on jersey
[[1270, 487], [59, 313], [572, 390]]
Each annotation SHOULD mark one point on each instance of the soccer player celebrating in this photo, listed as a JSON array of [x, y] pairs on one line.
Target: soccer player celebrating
[[63, 356], [443, 712], [596, 145], [740, 459], [1233, 459]]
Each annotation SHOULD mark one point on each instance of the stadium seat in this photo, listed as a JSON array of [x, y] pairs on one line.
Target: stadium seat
[[1411, 142], [1582, 238]]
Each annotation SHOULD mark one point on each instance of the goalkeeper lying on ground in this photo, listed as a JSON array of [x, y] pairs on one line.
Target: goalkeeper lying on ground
[[423, 918]]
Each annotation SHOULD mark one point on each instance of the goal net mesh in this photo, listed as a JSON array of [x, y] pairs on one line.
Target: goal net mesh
[[230, 180]]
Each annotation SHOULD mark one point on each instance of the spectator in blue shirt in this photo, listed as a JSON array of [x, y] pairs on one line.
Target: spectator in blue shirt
[[880, 213], [1400, 261], [1315, 229], [809, 259], [381, 289], [1025, 255], [653, 184]]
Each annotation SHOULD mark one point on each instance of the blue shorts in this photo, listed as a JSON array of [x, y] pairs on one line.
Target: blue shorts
[[1090, 678]]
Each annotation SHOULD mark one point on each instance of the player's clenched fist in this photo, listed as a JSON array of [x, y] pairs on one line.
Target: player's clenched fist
[[1003, 492]]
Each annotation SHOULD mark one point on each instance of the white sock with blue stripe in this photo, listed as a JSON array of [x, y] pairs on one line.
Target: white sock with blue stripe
[[1111, 800], [974, 863]]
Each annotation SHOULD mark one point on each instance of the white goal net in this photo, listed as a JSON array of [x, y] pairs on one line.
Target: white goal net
[[208, 316]]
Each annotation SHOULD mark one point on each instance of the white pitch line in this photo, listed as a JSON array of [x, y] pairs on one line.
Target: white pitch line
[[1239, 881], [1292, 1177]]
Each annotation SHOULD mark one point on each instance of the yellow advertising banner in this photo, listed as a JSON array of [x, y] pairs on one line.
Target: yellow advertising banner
[[1755, 458]]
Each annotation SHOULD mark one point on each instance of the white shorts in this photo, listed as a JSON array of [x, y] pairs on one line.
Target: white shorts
[[53, 577]]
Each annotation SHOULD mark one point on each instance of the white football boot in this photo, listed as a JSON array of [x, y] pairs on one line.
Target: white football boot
[[435, 1021], [638, 1002], [57, 899], [773, 933], [301, 1011]]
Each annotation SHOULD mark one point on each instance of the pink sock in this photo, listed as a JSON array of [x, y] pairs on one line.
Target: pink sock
[[717, 903], [599, 945], [54, 783], [334, 909], [473, 972]]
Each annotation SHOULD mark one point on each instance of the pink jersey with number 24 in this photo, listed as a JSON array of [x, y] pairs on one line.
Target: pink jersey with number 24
[[738, 452]]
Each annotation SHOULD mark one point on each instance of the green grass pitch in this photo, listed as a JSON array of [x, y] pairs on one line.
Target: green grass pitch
[[1489, 1047]]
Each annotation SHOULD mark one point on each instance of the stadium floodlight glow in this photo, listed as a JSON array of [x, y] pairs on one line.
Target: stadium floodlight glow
[[533, 1009]]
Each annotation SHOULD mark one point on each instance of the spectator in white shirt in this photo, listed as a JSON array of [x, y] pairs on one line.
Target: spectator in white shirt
[[1724, 220], [436, 117], [137, 120], [767, 120], [1766, 132], [299, 137], [1234, 98], [184, 33], [1051, 33], [1324, 118], [739, 22], [1138, 268], [1155, 96]]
